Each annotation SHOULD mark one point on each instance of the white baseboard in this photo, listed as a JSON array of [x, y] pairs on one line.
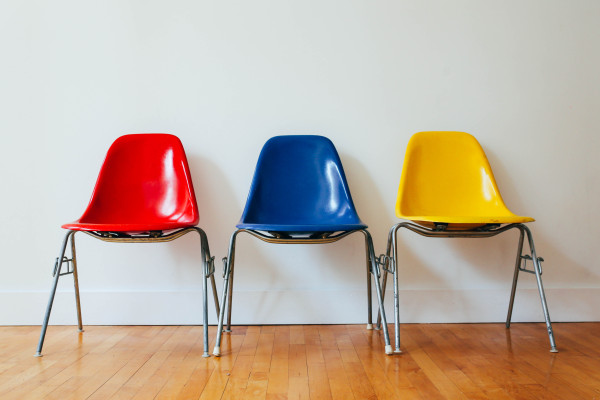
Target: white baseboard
[[298, 307]]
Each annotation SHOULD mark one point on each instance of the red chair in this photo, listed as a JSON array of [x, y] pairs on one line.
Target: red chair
[[144, 194]]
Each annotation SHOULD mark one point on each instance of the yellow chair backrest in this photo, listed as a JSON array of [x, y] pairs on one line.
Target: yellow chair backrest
[[447, 178]]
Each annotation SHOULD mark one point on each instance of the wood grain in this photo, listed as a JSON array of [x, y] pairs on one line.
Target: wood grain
[[439, 361]]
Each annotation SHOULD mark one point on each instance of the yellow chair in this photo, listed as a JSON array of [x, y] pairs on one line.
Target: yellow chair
[[447, 189]]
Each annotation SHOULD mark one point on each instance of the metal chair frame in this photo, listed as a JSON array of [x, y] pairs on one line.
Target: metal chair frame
[[391, 265], [153, 237], [319, 238]]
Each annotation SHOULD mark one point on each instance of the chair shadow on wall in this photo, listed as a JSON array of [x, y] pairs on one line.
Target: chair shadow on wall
[[556, 261], [414, 270], [500, 268]]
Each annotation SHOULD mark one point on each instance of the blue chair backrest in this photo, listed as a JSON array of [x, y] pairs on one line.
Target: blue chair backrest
[[299, 181]]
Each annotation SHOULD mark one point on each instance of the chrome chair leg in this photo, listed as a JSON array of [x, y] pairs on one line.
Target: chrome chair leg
[[226, 293], [369, 295], [205, 309], [215, 293], [538, 272], [217, 348], [206, 260], [391, 258], [205, 306], [230, 295], [376, 276], [388, 254], [209, 261], [383, 289], [513, 290], [57, 273], [76, 283], [394, 266], [384, 278]]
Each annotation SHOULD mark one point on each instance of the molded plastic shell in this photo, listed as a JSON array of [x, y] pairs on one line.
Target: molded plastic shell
[[144, 185], [299, 186], [447, 178]]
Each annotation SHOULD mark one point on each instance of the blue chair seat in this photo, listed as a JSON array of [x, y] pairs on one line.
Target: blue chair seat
[[299, 186], [301, 229]]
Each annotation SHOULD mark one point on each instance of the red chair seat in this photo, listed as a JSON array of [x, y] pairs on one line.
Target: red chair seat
[[124, 227], [144, 185]]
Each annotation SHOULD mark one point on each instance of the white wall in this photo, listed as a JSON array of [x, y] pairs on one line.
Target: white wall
[[522, 76]]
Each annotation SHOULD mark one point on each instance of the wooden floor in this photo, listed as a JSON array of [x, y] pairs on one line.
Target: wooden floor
[[440, 361]]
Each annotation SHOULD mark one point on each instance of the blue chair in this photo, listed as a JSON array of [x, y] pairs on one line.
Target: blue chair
[[299, 194]]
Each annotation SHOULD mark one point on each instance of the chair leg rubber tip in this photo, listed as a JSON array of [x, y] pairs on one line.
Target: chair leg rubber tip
[[80, 330], [388, 349], [553, 350], [398, 351], [206, 355], [217, 351], [38, 354], [369, 327], [227, 330]]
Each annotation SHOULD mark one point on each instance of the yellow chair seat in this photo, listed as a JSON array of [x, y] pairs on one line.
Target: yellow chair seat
[[446, 178], [465, 222]]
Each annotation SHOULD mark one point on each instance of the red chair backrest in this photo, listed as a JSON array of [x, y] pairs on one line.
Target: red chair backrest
[[145, 179]]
